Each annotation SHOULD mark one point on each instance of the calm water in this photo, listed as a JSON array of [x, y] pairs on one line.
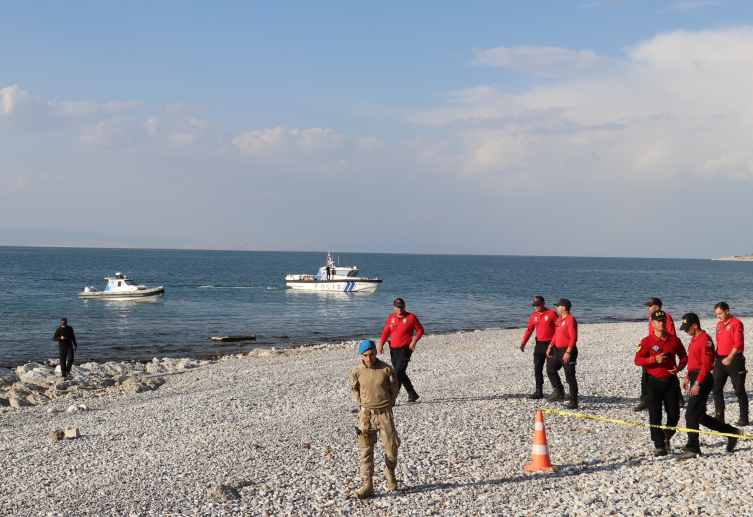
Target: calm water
[[211, 293]]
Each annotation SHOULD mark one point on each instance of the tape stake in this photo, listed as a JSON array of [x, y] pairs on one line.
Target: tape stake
[[625, 422]]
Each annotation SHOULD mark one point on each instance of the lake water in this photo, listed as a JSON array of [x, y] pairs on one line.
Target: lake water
[[210, 293]]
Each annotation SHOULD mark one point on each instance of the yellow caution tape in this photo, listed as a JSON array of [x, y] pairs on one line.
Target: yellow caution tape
[[589, 417]]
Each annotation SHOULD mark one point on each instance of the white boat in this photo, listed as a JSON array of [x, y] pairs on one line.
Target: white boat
[[121, 288], [333, 277]]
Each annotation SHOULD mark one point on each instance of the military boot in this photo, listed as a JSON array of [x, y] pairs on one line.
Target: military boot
[[391, 480], [743, 421], [367, 490], [556, 396], [538, 394], [572, 403], [643, 404]]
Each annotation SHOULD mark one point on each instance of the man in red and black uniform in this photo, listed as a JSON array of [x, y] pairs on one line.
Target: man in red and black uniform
[[730, 342], [656, 354], [399, 330], [701, 356], [653, 305], [543, 321], [563, 353]]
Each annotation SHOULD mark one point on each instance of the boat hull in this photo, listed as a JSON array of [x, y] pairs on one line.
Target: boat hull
[[356, 285], [123, 295]]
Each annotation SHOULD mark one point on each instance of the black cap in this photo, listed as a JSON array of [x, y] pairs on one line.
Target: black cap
[[689, 319], [538, 300], [563, 302], [653, 301], [399, 303], [64, 320], [659, 316]]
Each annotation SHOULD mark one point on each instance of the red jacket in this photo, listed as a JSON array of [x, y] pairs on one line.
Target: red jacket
[[543, 323], [566, 333], [652, 346], [701, 356], [730, 335], [400, 330], [670, 326]]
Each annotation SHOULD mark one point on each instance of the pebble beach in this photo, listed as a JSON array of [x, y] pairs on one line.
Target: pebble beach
[[271, 432]]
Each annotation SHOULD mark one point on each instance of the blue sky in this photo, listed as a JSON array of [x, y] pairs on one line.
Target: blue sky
[[544, 128]]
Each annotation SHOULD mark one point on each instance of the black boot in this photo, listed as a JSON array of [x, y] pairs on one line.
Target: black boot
[[743, 421], [572, 403], [556, 396], [643, 404], [538, 394], [413, 396]]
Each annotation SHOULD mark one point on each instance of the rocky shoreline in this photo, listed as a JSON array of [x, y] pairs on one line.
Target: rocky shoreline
[[271, 433]]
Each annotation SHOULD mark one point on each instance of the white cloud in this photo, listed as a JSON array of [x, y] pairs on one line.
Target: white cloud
[[545, 61], [277, 142], [678, 104]]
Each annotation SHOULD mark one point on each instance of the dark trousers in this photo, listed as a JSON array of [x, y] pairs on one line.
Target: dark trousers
[[553, 365], [400, 358], [666, 391], [644, 378], [66, 358], [539, 359], [736, 372], [695, 413]]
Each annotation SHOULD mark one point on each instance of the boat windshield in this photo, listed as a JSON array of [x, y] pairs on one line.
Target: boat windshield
[[130, 282]]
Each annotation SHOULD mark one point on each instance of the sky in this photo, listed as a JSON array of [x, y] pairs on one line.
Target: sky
[[583, 128]]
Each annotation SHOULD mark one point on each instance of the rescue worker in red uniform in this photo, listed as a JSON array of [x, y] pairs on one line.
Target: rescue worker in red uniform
[[656, 354], [399, 330], [563, 353], [543, 321], [701, 356], [653, 305], [730, 362]]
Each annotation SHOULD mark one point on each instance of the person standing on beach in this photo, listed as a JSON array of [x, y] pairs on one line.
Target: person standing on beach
[[66, 345], [730, 362], [653, 305], [701, 356], [399, 330], [375, 388], [563, 353], [656, 354], [544, 322]]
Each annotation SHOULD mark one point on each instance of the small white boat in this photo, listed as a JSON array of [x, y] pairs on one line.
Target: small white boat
[[121, 288], [333, 277]]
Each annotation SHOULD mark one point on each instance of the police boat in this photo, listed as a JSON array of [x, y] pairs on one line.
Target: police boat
[[121, 288], [333, 277]]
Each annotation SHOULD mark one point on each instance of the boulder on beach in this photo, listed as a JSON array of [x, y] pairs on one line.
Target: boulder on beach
[[8, 377]]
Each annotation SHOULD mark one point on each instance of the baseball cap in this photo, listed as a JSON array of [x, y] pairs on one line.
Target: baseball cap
[[64, 320], [538, 300], [564, 302], [689, 319], [653, 301], [399, 303], [365, 346], [659, 316]]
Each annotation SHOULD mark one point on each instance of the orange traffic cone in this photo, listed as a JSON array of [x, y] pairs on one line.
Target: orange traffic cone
[[540, 456]]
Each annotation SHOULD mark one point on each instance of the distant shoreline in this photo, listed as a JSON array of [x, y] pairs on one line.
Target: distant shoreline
[[737, 257]]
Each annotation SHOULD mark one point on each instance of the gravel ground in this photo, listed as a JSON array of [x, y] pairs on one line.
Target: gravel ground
[[275, 436]]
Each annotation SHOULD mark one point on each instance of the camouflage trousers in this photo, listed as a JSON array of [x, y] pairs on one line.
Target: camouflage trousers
[[372, 422]]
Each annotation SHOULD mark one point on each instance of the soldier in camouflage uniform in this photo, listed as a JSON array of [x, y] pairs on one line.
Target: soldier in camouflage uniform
[[375, 389]]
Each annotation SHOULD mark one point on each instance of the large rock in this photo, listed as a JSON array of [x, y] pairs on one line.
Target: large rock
[[18, 402], [155, 368], [113, 368], [44, 377], [8, 377], [23, 390], [28, 367]]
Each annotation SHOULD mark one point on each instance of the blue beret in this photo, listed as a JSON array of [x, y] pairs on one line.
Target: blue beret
[[365, 346]]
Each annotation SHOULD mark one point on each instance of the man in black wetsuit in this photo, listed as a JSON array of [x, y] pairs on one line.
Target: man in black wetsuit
[[66, 344]]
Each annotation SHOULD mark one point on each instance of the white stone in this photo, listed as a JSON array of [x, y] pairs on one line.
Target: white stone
[[72, 432], [8, 377], [72, 409], [28, 367]]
